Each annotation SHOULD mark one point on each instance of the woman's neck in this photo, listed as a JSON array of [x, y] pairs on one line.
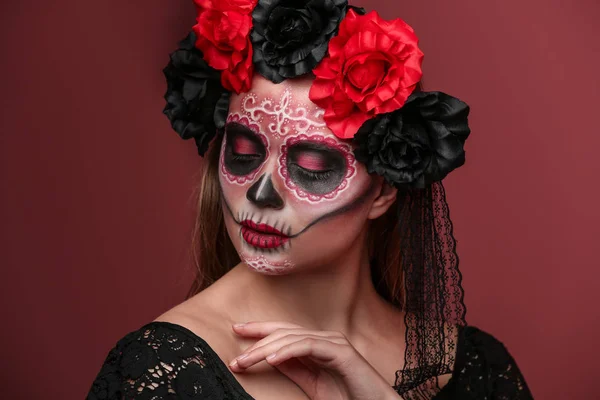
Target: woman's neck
[[339, 296]]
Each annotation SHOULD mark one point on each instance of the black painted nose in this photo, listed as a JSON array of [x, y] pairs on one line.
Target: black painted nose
[[263, 193]]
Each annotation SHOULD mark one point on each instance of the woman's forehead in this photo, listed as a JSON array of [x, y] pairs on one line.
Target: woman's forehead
[[280, 110], [263, 89]]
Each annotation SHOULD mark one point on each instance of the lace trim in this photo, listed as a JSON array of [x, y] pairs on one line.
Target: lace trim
[[163, 361], [434, 299]]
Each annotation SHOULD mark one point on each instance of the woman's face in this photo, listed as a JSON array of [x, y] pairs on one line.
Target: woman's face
[[294, 197]]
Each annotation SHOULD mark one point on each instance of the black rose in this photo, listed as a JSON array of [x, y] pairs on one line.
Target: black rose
[[196, 382], [290, 37], [419, 143], [137, 358], [193, 91]]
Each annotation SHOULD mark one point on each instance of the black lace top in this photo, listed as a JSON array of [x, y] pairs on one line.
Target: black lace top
[[164, 361]]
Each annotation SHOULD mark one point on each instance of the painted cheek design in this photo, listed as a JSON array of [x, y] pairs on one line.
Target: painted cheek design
[[302, 194], [284, 118], [242, 179], [261, 264]]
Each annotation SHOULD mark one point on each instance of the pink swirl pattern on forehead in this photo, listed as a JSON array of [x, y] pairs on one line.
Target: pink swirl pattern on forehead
[[333, 142], [284, 117], [262, 264], [243, 120]]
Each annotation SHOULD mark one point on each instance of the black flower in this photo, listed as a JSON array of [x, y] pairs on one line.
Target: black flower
[[290, 37], [137, 358], [193, 90], [419, 143], [196, 382]]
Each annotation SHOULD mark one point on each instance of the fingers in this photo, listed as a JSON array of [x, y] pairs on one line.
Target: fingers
[[257, 328], [279, 333], [317, 349], [324, 348]]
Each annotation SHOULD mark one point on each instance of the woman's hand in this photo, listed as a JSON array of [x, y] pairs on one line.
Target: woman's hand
[[322, 363]]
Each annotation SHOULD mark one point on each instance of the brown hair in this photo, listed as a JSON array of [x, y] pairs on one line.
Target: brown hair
[[214, 255]]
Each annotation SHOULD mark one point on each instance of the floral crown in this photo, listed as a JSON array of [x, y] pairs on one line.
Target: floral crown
[[366, 77]]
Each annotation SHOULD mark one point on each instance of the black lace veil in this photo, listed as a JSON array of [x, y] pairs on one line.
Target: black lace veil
[[434, 306]]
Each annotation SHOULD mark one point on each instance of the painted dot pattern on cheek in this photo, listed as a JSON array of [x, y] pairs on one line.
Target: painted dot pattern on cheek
[[283, 117], [302, 194], [242, 179]]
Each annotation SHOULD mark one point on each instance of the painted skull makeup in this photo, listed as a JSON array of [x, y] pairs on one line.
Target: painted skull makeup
[[286, 178], [293, 195]]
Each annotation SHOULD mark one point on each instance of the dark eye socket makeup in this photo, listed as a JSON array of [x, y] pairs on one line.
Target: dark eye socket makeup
[[315, 167], [241, 145], [315, 157], [312, 161], [244, 150]]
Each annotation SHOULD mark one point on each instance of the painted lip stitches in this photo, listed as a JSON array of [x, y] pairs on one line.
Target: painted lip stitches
[[262, 235]]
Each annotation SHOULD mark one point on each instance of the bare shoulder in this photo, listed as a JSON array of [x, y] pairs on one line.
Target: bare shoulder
[[209, 315], [207, 320]]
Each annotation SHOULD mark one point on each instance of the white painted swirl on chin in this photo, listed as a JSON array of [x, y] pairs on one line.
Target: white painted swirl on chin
[[264, 266]]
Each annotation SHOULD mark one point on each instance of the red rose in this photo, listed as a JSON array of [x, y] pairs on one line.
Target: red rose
[[223, 31], [372, 67], [239, 78], [241, 6]]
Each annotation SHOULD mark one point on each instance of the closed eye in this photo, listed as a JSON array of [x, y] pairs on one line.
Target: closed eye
[[244, 149], [242, 146], [312, 161], [314, 175], [316, 167]]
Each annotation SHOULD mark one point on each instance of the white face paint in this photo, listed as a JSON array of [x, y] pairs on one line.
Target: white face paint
[[294, 196], [282, 118]]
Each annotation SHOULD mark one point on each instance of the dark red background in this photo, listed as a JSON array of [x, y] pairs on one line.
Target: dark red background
[[96, 210]]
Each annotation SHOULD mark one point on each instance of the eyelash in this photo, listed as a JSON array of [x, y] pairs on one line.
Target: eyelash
[[321, 175], [244, 157]]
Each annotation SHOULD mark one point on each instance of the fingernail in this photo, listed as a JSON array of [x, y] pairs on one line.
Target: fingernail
[[238, 325], [242, 356], [231, 364], [271, 356]]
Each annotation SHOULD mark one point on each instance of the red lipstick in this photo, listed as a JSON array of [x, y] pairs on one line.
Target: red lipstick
[[262, 235]]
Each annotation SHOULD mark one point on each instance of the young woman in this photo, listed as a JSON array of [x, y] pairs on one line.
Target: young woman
[[322, 221]]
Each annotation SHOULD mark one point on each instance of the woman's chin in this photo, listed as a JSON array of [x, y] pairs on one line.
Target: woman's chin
[[267, 263]]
